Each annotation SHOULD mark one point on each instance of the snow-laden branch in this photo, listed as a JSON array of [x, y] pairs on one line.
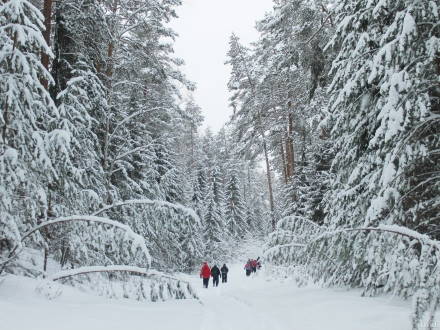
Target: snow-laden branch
[[325, 233], [138, 241], [176, 207], [393, 229], [274, 248], [127, 153], [134, 114], [114, 268], [297, 218]]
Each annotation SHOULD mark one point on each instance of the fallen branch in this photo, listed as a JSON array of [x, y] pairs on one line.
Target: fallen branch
[[106, 269]]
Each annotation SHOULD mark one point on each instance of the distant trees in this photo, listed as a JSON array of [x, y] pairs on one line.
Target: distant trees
[[218, 194]]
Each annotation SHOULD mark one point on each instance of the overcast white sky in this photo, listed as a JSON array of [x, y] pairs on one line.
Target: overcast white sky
[[204, 27]]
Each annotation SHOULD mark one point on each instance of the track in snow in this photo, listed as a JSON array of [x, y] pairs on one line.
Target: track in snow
[[258, 303]]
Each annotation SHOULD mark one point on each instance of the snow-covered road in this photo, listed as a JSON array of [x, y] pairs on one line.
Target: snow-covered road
[[256, 303]]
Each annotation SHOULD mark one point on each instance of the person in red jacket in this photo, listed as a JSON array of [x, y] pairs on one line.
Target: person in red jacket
[[205, 274], [254, 265]]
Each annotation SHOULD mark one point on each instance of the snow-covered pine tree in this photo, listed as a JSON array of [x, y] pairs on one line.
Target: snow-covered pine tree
[[250, 113]]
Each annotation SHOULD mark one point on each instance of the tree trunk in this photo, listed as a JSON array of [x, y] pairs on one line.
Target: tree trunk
[[46, 254], [65, 57], [6, 105], [289, 148], [47, 13], [283, 158], [269, 184], [109, 71], [263, 138]]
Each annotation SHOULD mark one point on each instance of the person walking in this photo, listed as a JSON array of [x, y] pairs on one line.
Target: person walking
[[254, 265], [224, 273], [248, 267], [258, 263], [215, 273], [205, 274]]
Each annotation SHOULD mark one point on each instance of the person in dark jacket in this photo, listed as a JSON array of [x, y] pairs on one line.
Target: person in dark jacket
[[258, 263], [205, 273], [215, 273], [224, 273]]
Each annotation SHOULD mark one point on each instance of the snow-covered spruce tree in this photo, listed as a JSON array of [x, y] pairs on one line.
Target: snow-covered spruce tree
[[215, 234], [234, 207], [383, 111], [140, 73], [217, 184], [188, 144], [200, 188], [26, 112], [381, 98], [81, 100], [257, 214]]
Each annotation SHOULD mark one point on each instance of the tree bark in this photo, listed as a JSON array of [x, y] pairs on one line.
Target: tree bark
[[269, 184], [260, 128], [47, 13], [46, 255], [289, 148], [283, 158], [6, 105]]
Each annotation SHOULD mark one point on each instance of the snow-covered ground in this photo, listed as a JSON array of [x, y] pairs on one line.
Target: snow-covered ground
[[255, 303]]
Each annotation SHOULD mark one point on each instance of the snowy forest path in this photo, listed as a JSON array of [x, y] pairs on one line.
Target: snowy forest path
[[225, 307], [262, 302]]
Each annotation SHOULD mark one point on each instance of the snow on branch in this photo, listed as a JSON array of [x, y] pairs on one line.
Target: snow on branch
[[176, 207]]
